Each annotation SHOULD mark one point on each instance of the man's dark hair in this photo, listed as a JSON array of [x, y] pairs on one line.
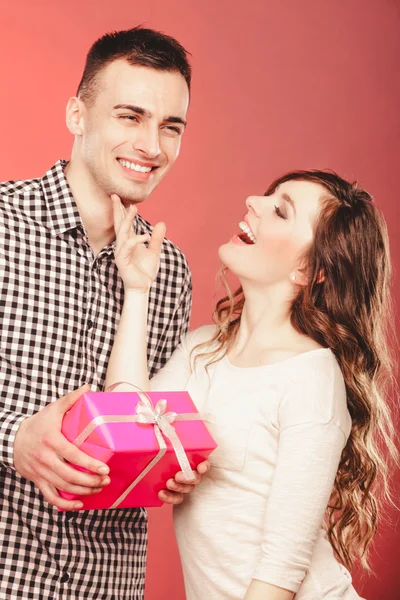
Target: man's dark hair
[[142, 47]]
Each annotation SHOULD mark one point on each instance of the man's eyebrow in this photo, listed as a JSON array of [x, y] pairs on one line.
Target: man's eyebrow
[[146, 113], [136, 109], [176, 120], [288, 199]]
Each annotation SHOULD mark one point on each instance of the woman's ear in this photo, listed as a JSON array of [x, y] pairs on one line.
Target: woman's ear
[[74, 115], [298, 277]]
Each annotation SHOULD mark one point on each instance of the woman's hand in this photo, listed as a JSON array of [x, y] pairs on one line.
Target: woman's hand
[[137, 265]]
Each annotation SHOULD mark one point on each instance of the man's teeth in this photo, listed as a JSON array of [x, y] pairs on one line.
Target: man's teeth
[[244, 227], [133, 166]]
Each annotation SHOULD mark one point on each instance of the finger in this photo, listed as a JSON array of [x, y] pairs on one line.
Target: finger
[[125, 250], [126, 226], [203, 467], [73, 476], [180, 478], [54, 498], [72, 454], [64, 486], [125, 231], [183, 488], [118, 211], [66, 402], [170, 497], [157, 238]]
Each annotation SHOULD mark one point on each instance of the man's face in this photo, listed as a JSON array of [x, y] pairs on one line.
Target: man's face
[[132, 132]]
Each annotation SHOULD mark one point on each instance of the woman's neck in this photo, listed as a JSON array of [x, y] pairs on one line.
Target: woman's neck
[[266, 333]]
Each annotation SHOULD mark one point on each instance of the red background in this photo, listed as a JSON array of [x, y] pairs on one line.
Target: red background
[[277, 86]]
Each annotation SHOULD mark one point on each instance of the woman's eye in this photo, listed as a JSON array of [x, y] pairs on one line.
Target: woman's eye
[[279, 212]]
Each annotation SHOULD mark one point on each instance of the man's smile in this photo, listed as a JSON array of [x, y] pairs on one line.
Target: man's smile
[[137, 170]]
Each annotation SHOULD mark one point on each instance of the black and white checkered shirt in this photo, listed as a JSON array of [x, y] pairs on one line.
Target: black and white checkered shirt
[[60, 307]]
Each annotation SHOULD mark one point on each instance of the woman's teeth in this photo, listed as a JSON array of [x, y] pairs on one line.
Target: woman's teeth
[[247, 233], [133, 166]]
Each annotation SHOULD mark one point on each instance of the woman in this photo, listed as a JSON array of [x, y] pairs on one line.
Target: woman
[[290, 382]]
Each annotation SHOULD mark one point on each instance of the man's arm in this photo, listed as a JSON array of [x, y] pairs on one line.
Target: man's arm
[[39, 452]]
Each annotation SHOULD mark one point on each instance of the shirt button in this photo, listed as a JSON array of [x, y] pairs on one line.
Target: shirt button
[[65, 578]]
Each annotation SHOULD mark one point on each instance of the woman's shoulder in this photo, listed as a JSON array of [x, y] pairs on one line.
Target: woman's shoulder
[[315, 391], [201, 335]]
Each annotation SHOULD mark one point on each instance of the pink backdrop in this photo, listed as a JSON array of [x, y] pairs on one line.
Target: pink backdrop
[[277, 86]]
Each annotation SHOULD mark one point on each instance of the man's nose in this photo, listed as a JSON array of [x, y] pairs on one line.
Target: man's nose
[[147, 142]]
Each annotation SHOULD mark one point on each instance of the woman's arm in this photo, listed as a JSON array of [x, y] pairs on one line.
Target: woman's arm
[[258, 590], [128, 360], [138, 267], [312, 422]]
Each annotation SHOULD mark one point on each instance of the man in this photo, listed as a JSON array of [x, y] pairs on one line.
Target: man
[[61, 301]]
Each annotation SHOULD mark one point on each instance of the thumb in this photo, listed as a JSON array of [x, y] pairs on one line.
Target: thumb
[[67, 401]]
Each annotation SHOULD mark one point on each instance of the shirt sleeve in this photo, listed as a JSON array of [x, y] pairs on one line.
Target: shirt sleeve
[[12, 392], [179, 325], [9, 425], [312, 435]]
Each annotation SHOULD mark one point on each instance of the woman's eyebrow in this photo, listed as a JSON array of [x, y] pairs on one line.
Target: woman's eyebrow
[[288, 199]]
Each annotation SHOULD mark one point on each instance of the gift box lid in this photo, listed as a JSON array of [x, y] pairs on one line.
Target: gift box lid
[[124, 436]]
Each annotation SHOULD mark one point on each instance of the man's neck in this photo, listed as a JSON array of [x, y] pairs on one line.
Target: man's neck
[[94, 206]]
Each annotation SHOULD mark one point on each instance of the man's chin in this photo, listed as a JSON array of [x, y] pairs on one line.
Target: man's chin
[[129, 197]]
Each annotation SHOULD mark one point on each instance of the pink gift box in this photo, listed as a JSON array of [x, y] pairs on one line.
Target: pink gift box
[[128, 447]]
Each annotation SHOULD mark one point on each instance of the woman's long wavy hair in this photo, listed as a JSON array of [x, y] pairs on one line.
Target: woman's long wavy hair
[[346, 306]]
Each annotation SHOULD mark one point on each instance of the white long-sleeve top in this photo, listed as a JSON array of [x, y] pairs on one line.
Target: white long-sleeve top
[[280, 430]]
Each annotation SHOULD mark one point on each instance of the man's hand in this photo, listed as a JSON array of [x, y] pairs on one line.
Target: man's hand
[[41, 452], [177, 487]]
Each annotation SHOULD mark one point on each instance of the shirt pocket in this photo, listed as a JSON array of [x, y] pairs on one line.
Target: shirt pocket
[[232, 440]]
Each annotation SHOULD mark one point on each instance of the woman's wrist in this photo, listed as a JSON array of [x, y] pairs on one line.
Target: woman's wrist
[[134, 292]]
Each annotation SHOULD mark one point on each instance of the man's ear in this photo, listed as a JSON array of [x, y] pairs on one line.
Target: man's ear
[[321, 276], [74, 115]]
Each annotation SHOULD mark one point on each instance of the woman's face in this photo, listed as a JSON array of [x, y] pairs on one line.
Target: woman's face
[[276, 232]]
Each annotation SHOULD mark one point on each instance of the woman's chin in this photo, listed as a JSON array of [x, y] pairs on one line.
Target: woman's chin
[[227, 257], [223, 252]]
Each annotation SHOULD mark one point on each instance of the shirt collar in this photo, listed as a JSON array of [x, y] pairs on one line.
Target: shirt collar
[[63, 214], [62, 211]]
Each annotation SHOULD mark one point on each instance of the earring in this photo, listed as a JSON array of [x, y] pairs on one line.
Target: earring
[[293, 277]]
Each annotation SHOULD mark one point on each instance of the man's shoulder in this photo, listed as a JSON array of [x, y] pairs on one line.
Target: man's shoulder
[[171, 253], [11, 192]]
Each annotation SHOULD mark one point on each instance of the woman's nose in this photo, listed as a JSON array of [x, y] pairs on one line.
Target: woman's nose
[[253, 205]]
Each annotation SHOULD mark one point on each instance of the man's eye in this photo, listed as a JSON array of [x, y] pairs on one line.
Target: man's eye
[[279, 212], [128, 117], [174, 130]]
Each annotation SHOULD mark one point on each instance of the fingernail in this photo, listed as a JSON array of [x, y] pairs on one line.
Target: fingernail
[[78, 505], [106, 481], [103, 470]]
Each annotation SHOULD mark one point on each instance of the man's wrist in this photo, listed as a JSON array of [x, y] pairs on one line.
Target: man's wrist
[[9, 426]]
